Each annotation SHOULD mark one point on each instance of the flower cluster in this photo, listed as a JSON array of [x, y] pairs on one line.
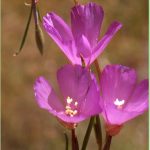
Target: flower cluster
[[118, 97]]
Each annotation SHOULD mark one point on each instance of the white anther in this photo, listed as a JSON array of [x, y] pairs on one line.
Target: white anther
[[76, 103], [68, 107], [69, 100], [75, 112], [119, 103]]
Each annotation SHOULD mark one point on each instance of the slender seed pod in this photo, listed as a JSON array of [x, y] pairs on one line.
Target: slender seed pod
[[39, 38]]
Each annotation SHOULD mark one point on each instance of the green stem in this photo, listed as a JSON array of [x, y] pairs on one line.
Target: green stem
[[97, 127], [98, 134], [66, 139], [107, 142], [87, 135]]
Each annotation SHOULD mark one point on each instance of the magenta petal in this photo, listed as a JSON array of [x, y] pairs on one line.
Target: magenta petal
[[139, 99], [47, 99], [73, 81], [117, 82], [86, 21], [117, 117], [62, 35], [80, 94], [91, 105], [75, 119], [122, 98], [79, 84], [112, 30], [45, 96], [84, 47]]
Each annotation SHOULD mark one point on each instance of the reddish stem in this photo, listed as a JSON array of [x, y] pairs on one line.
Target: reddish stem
[[75, 145], [97, 68], [108, 142]]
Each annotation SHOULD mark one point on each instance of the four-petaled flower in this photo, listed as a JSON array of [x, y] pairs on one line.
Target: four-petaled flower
[[122, 98], [81, 40], [79, 94]]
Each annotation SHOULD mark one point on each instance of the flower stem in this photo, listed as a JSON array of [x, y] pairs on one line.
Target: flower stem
[[87, 135], [107, 142], [97, 126], [66, 139], [98, 134], [75, 145], [97, 68]]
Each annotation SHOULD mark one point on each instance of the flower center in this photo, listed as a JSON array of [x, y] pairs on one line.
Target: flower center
[[119, 103], [71, 107]]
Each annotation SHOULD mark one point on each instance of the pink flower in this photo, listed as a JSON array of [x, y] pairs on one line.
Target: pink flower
[[122, 98], [81, 40], [79, 94]]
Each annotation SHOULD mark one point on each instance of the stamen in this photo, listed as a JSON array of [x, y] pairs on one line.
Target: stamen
[[68, 107], [69, 100], [69, 110], [119, 103], [76, 103], [75, 112]]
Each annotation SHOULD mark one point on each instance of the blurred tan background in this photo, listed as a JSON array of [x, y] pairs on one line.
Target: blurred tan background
[[27, 127]]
